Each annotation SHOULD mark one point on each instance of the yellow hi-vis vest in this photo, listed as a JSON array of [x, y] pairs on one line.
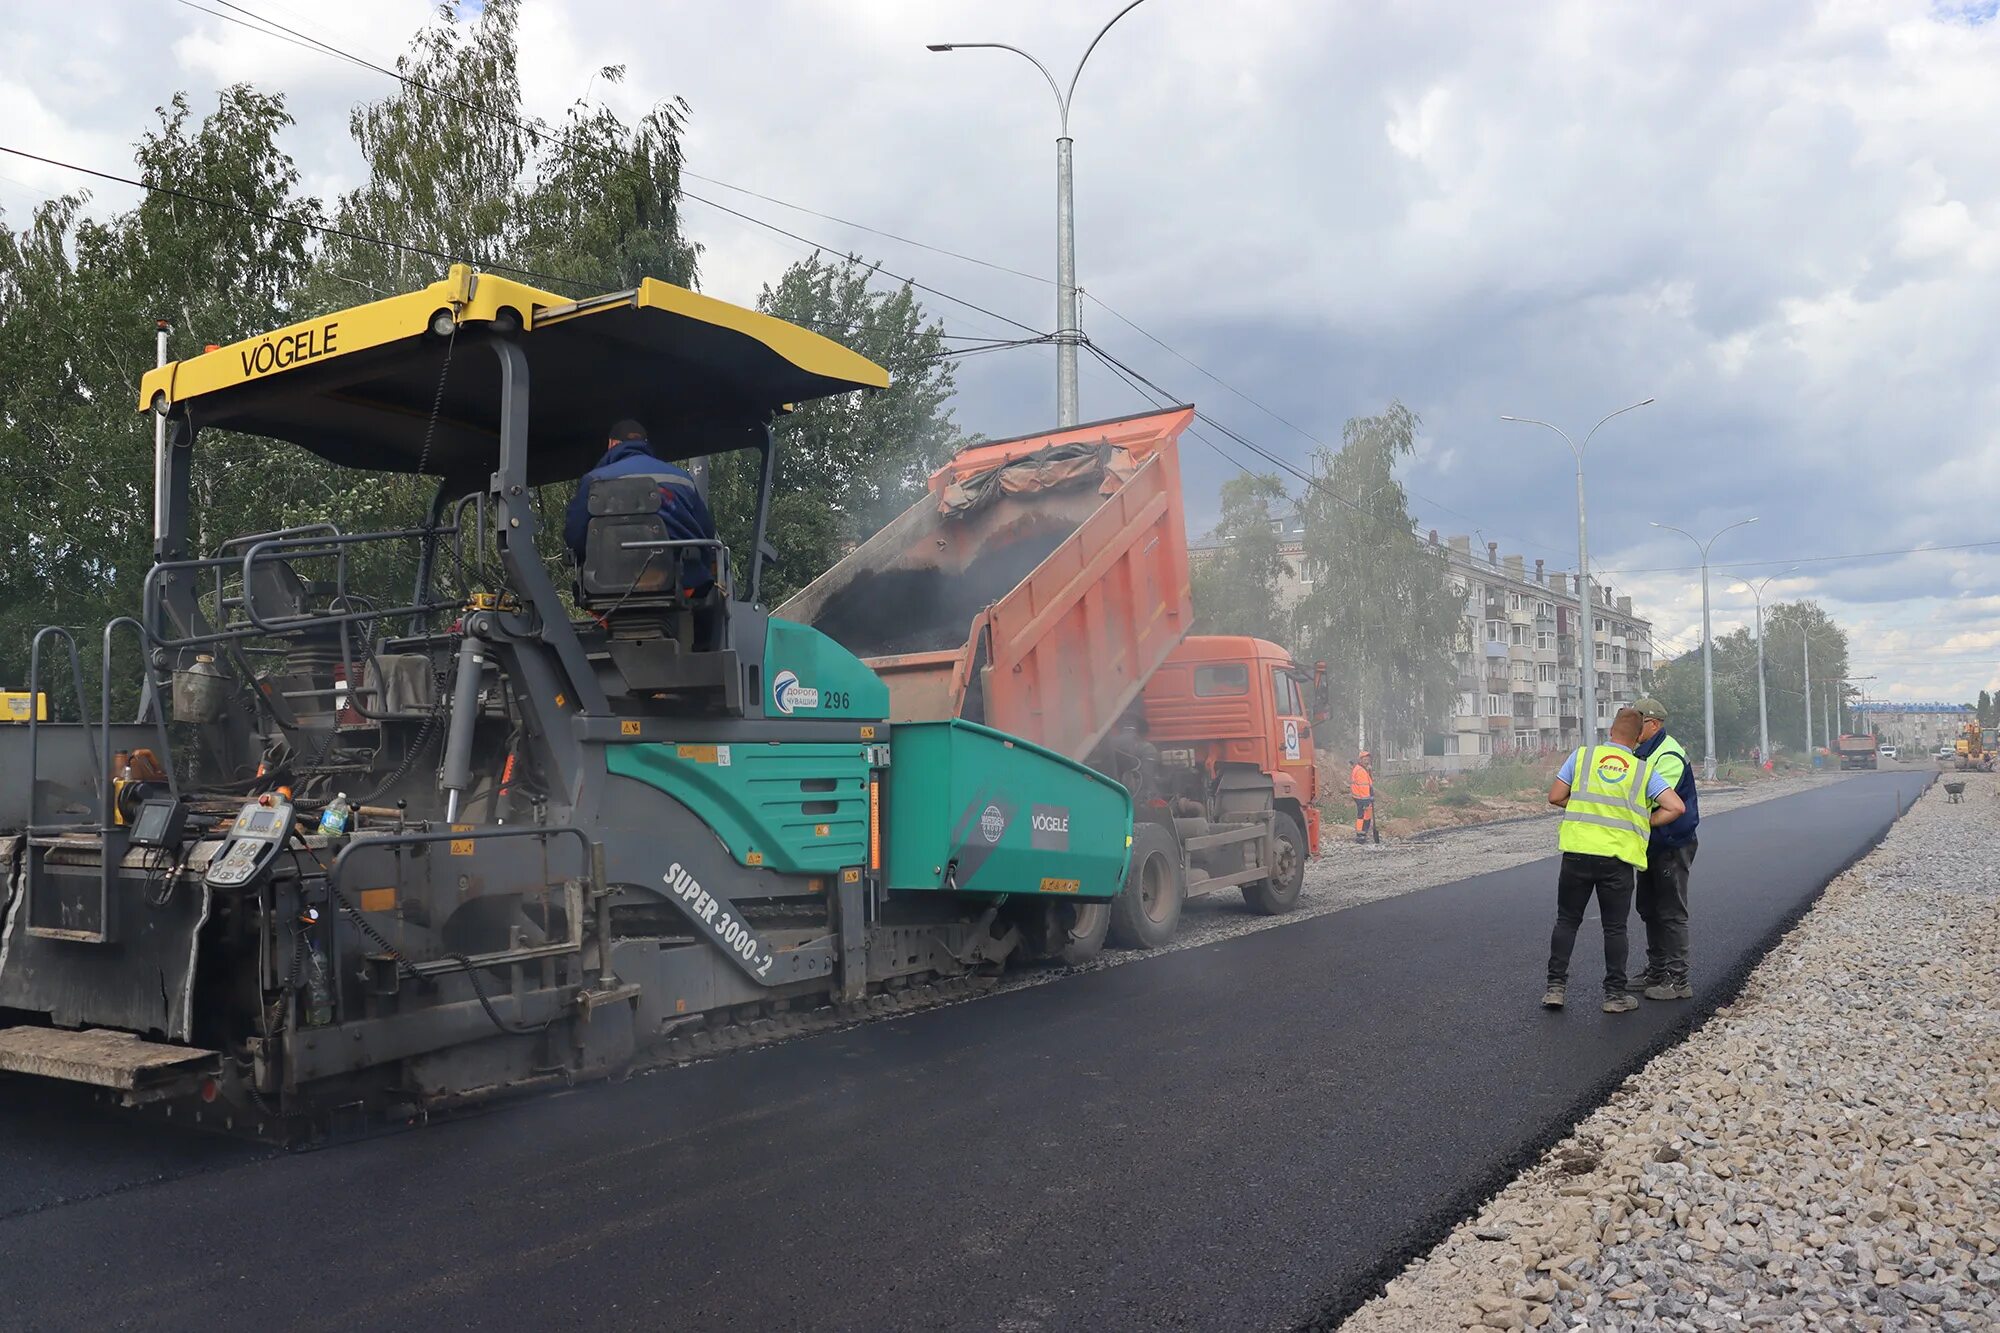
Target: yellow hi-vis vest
[[1608, 813]]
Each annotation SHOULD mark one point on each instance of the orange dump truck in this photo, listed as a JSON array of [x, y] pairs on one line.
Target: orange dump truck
[[1041, 587]]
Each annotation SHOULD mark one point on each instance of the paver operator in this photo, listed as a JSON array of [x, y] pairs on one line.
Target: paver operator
[[628, 450], [1611, 801], [1663, 885], [1361, 784]]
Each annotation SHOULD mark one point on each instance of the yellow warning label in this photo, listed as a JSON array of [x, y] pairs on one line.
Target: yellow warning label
[[461, 828], [696, 754], [820, 830], [560, 701], [868, 733], [630, 728], [851, 875], [461, 846], [378, 900], [1061, 885], [753, 859]]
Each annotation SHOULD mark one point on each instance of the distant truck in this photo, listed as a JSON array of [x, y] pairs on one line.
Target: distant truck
[[1857, 751], [1041, 586]]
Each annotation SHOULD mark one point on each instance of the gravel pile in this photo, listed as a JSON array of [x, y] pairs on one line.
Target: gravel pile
[[1824, 1153]]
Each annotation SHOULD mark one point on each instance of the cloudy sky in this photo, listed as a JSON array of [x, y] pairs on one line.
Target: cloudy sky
[[1782, 220]]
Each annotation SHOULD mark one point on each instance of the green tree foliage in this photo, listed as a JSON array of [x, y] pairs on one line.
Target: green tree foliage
[[1382, 613], [848, 464], [453, 172], [78, 301], [1678, 685], [1986, 709], [605, 205], [1236, 588], [456, 169], [446, 153]]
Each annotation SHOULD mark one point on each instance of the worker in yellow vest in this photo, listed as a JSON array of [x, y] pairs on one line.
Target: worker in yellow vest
[[1361, 785], [1611, 801]]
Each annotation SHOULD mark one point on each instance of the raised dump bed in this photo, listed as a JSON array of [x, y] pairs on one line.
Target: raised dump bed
[[1035, 587]]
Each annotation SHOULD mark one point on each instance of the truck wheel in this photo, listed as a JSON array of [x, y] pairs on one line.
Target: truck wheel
[[1077, 932], [1280, 893], [1146, 911]]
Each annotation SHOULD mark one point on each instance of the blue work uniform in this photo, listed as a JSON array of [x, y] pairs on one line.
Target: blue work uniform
[[681, 505]]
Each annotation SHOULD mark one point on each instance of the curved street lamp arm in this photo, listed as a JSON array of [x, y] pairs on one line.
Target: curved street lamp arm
[[1703, 546], [1739, 523], [1530, 421], [1062, 103], [1619, 413], [1066, 98]]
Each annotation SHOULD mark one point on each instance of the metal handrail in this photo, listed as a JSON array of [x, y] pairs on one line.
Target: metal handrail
[[98, 787], [149, 695], [593, 867], [305, 542]]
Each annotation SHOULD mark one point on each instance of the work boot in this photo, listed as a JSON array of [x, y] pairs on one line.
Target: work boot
[[1670, 990], [1624, 1002], [1644, 981], [1553, 998]]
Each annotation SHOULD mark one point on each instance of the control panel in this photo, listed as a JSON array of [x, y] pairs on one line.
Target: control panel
[[260, 832]]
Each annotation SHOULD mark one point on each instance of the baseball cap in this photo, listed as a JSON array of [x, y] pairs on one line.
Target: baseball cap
[[1650, 709]]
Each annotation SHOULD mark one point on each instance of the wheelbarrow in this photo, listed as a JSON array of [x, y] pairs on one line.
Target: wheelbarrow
[[1954, 792]]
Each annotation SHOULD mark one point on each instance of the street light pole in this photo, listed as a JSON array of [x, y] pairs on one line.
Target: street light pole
[[1068, 335], [1707, 642], [1587, 606], [1805, 645], [1763, 716]]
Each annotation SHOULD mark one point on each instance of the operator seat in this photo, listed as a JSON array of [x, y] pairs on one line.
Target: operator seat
[[626, 576]]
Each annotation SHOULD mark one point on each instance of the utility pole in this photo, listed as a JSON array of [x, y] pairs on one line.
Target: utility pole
[[1068, 335], [1587, 605], [1707, 642]]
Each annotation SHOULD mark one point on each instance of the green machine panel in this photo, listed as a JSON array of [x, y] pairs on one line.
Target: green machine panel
[[806, 674], [974, 809], [795, 807]]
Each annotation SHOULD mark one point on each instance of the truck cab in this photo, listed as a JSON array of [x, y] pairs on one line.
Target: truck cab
[[1231, 700]]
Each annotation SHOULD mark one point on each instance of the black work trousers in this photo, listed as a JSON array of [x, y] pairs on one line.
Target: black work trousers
[[1612, 881], [1663, 906]]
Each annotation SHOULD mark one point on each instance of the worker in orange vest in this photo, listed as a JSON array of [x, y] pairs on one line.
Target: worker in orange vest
[[1361, 782]]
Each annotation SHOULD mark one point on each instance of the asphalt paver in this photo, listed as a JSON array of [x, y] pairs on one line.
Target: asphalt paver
[[1249, 1134]]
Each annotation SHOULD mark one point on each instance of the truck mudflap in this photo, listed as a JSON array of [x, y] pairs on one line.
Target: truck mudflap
[[140, 978], [140, 1070]]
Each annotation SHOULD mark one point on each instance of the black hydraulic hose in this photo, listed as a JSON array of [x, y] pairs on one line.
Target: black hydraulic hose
[[512, 1029]]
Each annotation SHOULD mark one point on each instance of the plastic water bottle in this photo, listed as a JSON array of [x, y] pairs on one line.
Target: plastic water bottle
[[319, 989], [333, 819]]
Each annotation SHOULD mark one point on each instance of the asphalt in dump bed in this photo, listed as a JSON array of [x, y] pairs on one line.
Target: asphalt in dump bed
[[924, 610], [1247, 1134]]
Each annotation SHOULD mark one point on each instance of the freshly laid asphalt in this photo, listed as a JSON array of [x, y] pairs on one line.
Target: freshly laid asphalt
[[1249, 1134]]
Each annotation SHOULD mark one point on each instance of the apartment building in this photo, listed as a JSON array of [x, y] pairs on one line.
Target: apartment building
[[1520, 683], [1520, 687]]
